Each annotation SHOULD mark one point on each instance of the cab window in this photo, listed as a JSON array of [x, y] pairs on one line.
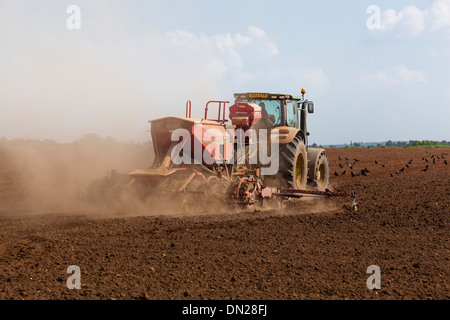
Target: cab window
[[292, 114], [270, 109]]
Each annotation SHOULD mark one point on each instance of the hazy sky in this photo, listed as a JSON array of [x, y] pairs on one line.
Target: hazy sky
[[133, 61]]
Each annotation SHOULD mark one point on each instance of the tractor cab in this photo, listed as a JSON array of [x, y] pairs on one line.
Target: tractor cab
[[277, 110]]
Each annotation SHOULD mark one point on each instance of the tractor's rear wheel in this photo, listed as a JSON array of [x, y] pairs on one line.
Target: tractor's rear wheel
[[294, 164]]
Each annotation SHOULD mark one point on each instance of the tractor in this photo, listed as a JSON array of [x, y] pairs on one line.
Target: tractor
[[220, 159]]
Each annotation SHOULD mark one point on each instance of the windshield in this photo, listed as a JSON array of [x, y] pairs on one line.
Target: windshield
[[271, 110]]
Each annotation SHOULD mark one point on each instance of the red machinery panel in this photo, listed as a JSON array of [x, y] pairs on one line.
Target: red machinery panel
[[245, 115]]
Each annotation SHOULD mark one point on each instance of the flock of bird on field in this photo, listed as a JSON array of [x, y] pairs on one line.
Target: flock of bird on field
[[429, 159]]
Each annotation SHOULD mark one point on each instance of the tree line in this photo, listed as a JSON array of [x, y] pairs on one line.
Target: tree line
[[417, 143], [393, 144]]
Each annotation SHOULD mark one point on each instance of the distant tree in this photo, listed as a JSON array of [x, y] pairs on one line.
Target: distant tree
[[414, 143], [400, 143], [314, 145], [389, 143], [357, 144]]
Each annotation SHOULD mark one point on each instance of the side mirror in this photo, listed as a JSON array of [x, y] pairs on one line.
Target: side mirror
[[310, 107]]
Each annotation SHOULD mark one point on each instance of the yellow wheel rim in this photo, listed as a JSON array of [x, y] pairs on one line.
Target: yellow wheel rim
[[320, 176]]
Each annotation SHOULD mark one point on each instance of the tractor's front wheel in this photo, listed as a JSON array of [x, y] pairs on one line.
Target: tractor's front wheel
[[318, 169]]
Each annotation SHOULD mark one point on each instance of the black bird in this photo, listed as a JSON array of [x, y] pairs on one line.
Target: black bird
[[351, 167], [392, 175], [434, 160], [425, 170], [426, 160], [336, 174], [383, 165], [356, 160], [410, 161], [339, 157], [402, 169], [445, 161], [345, 171], [365, 170], [362, 173], [376, 162], [341, 166], [353, 174], [346, 158], [407, 165]]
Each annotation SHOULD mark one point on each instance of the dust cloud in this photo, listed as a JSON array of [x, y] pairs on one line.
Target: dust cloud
[[46, 176]]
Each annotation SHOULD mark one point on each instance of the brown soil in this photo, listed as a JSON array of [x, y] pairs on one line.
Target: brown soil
[[312, 249]]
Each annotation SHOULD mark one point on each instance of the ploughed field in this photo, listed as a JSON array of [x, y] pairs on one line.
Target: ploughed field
[[312, 249]]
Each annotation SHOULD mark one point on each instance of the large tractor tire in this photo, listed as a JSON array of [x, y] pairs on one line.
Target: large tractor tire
[[318, 169], [294, 164]]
